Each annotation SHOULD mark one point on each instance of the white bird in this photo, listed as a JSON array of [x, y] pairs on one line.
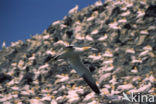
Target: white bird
[[73, 10], [72, 54], [3, 44], [98, 3]]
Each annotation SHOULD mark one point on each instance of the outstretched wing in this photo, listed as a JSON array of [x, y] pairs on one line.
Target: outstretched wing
[[84, 73], [62, 55], [90, 81]]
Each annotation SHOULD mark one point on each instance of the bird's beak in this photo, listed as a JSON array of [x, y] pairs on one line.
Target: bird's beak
[[94, 49], [89, 48], [86, 48]]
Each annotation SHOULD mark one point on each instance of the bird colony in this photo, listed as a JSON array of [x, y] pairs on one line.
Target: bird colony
[[123, 32]]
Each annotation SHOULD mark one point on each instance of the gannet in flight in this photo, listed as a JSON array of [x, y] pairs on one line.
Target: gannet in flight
[[72, 54]]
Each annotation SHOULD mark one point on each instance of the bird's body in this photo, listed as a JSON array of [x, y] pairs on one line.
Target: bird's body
[[72, 54], [4, 44], [73, 10]]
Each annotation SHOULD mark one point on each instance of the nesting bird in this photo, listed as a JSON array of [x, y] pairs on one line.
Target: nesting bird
[[3, 44], [73, 10], [72, 54]]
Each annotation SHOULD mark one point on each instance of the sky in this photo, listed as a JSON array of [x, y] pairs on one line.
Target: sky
[[19, 19]]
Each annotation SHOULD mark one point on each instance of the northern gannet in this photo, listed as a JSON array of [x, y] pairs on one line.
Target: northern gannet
[[72, 54]]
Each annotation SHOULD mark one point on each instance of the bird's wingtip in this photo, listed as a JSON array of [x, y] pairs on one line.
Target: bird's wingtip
[[92, 84]]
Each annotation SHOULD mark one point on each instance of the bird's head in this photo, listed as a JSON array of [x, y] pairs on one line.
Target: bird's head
[[79, 49], [88, 49], [71, 51], [69, 48]]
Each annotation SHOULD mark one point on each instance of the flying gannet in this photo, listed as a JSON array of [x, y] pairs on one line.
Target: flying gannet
[[72, 54]]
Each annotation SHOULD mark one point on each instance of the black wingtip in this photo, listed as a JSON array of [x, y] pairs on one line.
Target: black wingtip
[[92, 85], [56, 57], [70, 46]]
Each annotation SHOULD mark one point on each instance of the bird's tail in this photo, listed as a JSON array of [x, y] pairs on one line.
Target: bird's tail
[[90, 81]]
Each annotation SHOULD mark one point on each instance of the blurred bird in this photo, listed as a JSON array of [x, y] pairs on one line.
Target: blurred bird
[[72, 54], [98, 3], [73, 10], [3, 44]]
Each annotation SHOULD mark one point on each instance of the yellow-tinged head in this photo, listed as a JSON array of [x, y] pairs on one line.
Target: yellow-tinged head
[[86, 48]]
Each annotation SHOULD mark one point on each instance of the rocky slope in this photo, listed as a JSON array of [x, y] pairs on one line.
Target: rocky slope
[[123, 31]]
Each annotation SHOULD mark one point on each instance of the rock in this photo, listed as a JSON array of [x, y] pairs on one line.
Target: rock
[[150, 12], [122, 31], [4, 77], [27, 78]]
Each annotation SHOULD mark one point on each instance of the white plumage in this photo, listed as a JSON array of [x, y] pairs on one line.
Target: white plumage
[[73, 10], [72, 54]]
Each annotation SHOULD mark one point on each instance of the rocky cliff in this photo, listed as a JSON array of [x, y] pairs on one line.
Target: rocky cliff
[[123, 32]]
